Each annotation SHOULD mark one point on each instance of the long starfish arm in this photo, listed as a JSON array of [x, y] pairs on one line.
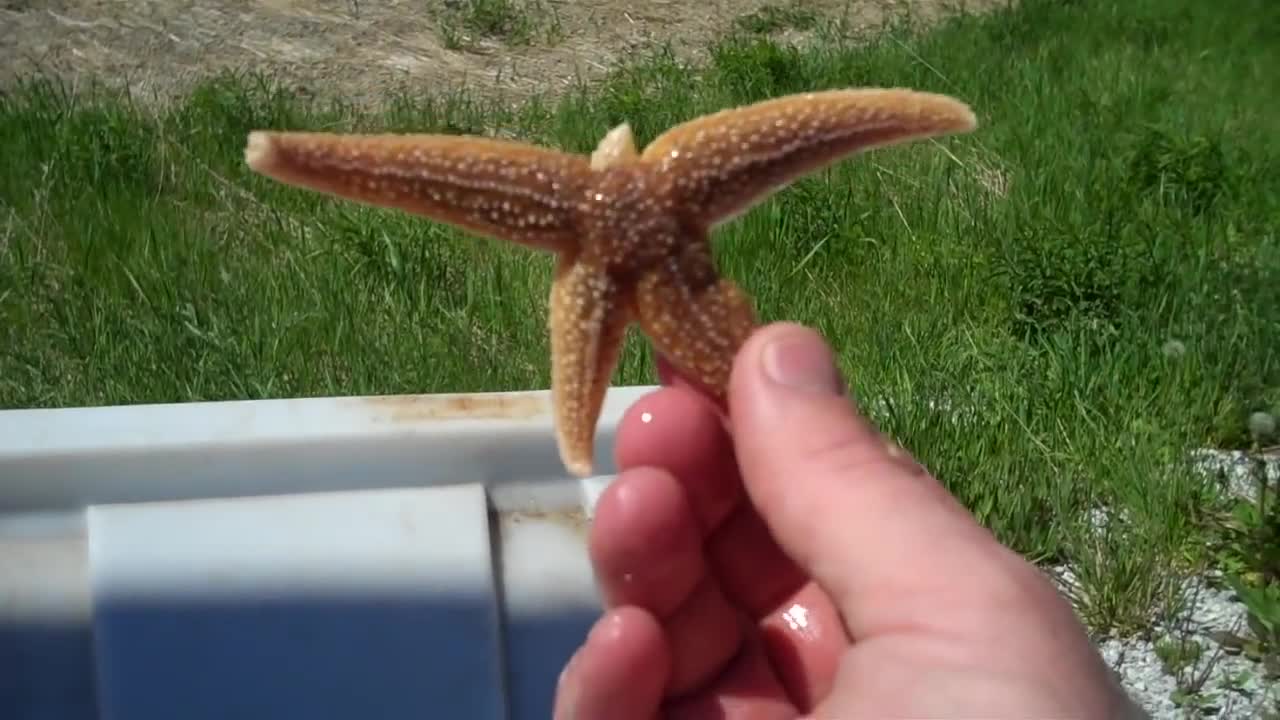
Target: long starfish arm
[[720, 165], [695, 319], [497, 188], [588, 319]]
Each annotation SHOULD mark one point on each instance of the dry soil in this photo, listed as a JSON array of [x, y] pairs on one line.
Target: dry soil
[[359, 49]]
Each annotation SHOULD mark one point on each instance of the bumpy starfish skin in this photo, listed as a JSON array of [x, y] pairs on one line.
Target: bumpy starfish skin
[[631, 231]]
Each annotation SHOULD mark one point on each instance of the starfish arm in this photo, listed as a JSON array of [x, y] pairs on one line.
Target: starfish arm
[[695, 319], [496, 188], [588, 320], [722, 164]]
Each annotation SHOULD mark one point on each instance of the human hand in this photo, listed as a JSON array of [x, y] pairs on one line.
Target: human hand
[[800, 565]]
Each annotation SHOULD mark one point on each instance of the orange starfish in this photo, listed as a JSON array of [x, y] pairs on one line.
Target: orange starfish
[[630, 230]]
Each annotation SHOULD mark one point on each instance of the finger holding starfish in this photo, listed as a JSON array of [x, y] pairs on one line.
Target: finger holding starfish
[[631, 230]]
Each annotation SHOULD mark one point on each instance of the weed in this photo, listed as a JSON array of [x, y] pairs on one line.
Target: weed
[[1178, 654], [1263, 602], [756, 68], [1062, 279], [777, 17], [1180, 170], [515, 22]]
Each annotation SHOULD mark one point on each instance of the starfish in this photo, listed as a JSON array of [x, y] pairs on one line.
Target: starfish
[[630, 230]]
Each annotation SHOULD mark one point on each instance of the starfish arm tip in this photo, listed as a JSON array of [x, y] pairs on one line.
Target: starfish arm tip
[[578, 468], [966, 118], [944, 113], [259, 150]]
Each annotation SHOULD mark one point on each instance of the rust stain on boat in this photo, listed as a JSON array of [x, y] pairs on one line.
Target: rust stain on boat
[[575, 520], [479, 406]]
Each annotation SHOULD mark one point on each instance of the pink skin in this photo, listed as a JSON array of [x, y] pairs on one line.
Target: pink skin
[[864, 590], [681, 552]]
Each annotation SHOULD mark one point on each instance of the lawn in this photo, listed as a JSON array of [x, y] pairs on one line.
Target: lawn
[[1050, 312]]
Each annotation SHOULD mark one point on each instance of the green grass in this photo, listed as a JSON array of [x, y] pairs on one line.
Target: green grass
[[1091, 281], [776, 17], [514, 22]]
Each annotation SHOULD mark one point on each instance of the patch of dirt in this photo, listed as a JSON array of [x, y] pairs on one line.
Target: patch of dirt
[[359, 49]]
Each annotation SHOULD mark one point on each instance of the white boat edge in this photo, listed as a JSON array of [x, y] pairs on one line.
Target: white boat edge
[[101, 503], [72, 458]]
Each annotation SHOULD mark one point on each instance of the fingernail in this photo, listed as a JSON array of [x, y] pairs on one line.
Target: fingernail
[[801, 360]]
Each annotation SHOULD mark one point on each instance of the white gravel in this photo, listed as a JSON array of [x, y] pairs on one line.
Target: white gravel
[[1229, 686], [1236, 468]]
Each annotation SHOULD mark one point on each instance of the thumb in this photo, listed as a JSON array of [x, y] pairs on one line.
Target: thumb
[[862, 518]]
